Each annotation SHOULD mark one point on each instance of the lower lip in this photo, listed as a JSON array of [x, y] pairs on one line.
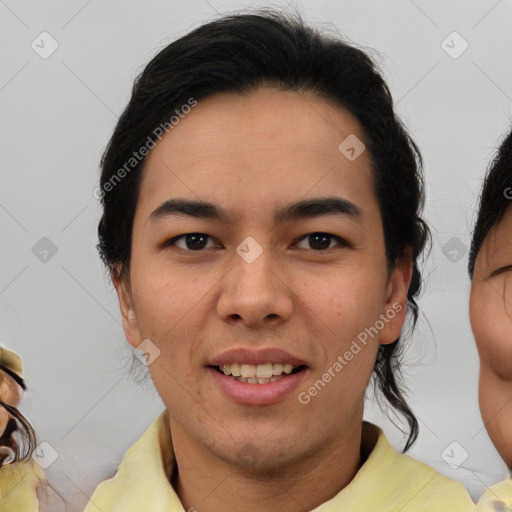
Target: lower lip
[[257, 394]]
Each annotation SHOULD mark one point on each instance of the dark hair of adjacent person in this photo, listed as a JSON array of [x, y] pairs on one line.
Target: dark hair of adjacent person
[[236, 54], [494, 200]]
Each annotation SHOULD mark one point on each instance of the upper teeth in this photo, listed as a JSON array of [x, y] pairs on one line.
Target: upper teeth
[[261, 371]]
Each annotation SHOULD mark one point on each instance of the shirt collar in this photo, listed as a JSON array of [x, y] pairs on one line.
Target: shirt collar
[[143, 480], [148, 465]]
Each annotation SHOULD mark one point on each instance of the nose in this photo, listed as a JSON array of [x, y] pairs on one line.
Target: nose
[[255, 294]]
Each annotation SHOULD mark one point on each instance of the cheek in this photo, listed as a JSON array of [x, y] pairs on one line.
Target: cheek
[[167, 306], [163, 297], [341, 312], [495, 399], [358, 292], [170, 307], [354, 308], [491, 322], [9, 393]]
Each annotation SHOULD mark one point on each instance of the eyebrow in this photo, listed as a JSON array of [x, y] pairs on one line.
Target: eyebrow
[[300, 210], [499, 271]]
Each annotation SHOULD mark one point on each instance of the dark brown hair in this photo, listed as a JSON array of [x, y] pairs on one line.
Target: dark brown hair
[[494, 199]]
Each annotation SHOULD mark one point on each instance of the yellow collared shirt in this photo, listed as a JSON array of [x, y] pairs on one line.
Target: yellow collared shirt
[[386, 482], [18, 484], [497, 498]]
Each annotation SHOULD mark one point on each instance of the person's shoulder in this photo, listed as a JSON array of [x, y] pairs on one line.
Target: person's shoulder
[[140, 482], [108, 492], [399, 478], [496, 498], [18, 486]]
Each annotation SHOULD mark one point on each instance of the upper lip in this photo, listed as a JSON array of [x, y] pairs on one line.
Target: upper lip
[[260, 356]]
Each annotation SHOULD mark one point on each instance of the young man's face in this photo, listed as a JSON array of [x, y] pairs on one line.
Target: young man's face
[[301, 301], [491, 321]]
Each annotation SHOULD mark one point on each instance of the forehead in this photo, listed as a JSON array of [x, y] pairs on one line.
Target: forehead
[[255, 148]]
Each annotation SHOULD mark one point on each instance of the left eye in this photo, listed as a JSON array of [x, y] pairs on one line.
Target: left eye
[[321, 241]]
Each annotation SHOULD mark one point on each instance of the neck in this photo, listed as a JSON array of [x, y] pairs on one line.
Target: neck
[[206, 483]]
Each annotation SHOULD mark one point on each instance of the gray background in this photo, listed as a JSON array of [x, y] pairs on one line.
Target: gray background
[[57, 115]]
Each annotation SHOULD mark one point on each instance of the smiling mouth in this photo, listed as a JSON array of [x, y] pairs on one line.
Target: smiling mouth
[[258, 374]]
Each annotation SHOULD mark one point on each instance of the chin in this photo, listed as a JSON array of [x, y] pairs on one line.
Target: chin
[[251, 459], [264, 455]]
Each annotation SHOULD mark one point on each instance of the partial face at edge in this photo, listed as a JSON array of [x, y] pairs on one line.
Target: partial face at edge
[[491, 321], [10, 393], [250, 155]]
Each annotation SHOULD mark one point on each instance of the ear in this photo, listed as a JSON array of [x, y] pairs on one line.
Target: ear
[[121, 282], [395, 306]]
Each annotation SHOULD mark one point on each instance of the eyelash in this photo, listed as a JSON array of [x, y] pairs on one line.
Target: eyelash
[[342, 242]]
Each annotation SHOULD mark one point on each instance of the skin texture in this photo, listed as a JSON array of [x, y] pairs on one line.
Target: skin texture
[[10, 393], [491, 321], [250, 154]]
